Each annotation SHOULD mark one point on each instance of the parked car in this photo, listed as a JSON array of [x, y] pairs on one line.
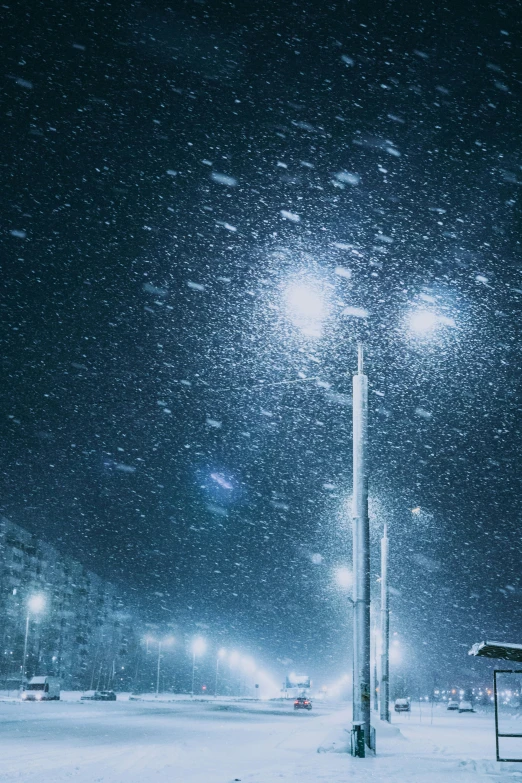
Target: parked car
[[452, 705], [466, 706], [99, 696], [42, 689], [302, 703], [402, 705]]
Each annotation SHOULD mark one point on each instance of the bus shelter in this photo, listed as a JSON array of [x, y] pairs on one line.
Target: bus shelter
[[507, 695]]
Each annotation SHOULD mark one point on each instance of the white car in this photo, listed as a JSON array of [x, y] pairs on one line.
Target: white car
[[466, 706], [452, 705], [402, 705]]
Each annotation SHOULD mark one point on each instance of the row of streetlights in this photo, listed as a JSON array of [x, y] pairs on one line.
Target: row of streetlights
[[198, 647], [37, 602]]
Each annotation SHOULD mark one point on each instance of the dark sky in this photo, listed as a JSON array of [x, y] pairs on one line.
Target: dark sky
[[167, 170]]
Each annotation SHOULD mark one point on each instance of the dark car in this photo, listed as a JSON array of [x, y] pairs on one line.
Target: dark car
[[99, 696], [104, 696], [302, 703]]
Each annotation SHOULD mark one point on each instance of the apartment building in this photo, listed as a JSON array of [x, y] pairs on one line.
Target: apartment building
[[84, 633]]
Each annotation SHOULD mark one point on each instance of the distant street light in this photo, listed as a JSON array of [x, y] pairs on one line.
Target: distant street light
[[199, 646], [221, 654], [35, 604], [168, 641], [423, 323]]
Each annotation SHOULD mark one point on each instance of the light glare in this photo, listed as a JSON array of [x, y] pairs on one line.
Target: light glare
[[423, 322], [306, 307], [36, 603], [344, 577], [199, 646]]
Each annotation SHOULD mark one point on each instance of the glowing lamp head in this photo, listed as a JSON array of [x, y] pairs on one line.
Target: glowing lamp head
[[423, 322], [221, 653], [199, 646], [344, 577], [305, 306], [36, 603]]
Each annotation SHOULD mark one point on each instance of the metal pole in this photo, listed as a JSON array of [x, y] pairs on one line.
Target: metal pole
[[361, 554], [158, 671], [25, 649], [385, 630], [495, 694], [375, 672], [217, 670], [193, 671]]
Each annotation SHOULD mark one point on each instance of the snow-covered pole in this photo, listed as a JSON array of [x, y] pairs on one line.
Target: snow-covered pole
[[24, 659], [361, 554], [385, 630], [375, 668], [158, 669], [193, 672]]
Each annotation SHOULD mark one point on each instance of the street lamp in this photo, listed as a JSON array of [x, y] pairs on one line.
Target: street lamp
[[35, 604], [221, 654], [199, 646], [167, 641], [385, 631]]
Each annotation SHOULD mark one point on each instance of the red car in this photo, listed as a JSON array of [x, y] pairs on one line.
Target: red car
[[302, 703]]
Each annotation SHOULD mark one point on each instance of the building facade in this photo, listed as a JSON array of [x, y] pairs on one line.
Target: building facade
[[84, 634]]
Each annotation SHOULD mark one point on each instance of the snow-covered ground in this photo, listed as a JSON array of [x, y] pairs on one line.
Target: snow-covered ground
[[223, 741]]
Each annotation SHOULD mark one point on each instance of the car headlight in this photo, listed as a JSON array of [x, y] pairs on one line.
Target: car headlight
[[24, 695], [39, 696]]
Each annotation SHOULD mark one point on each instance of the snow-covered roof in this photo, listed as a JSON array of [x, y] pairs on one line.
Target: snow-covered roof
[[504, 650], [38, 680]]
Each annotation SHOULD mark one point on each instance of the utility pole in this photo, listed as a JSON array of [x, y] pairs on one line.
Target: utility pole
[[375, 668], [158, 669], [385, 630], [25, 650], [361, 562]]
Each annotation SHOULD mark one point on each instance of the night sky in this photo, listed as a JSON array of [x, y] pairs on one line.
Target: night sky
[[168, 172]]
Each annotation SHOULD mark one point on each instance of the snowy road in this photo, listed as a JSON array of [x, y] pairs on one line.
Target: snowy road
[[183, 742]]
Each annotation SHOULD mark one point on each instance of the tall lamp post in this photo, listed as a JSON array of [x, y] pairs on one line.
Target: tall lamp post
[[221, 654], [198, 648], [361, 563], [385, 630], [167, 641], [35, 604]]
